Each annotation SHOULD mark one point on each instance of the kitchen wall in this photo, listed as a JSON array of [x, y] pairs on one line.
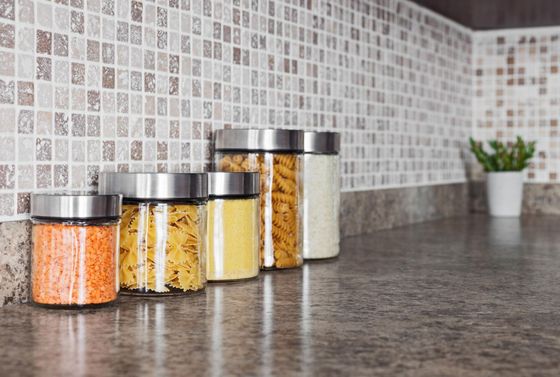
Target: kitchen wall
[[103, 85], [517, 92]]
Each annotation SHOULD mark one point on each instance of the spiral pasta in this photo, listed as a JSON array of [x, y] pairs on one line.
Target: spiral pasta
[[280, 238]]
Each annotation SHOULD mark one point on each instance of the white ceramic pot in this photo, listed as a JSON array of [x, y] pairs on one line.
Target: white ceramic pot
[[505, 193]]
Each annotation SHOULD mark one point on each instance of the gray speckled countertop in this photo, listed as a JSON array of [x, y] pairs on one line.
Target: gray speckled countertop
[[461, 297]]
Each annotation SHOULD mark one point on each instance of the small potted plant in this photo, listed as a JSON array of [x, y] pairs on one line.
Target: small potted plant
[[504, 168]]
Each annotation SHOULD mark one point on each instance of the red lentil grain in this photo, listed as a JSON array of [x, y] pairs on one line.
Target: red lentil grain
[[74, 264]]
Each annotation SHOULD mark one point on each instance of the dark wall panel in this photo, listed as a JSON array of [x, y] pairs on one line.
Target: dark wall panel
[[498, 14]]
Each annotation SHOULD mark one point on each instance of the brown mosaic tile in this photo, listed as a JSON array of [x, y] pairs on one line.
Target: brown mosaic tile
[[136, 11], [7, 35], [44, 69], [108, 77], [108, 151], [23, 202], [78, 74], [7, 9], [44, 42], [61, 124], [150, 128], [94, 100], [135, 151], [149, 82], [77, 23]]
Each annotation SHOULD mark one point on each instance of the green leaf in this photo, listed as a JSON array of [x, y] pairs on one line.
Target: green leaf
[[512, 157]]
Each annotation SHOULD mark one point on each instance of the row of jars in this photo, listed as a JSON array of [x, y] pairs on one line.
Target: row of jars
[[273, 201]]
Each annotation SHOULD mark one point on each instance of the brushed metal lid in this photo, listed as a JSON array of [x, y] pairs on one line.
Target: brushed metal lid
[[233, 184], [259, 140], [75, 205], [321, 142], [162, 186]]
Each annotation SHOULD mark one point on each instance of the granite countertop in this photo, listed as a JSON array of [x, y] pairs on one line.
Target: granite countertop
[[467, 296]]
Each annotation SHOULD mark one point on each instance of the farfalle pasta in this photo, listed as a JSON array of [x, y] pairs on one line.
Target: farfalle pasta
[[280, 222], [161, 248]]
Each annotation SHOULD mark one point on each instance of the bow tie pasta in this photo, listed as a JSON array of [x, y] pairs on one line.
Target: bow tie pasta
[[161, 248]]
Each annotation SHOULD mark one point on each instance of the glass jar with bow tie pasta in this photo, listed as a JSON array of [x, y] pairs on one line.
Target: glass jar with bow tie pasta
[[163, 231]]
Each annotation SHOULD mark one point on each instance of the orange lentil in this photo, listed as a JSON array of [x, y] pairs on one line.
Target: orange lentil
[[74, 264]]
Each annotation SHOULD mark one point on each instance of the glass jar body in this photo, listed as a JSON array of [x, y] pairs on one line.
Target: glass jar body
[[280, 233], [162, 248], [321, 208], [233, 238], [74, 262]]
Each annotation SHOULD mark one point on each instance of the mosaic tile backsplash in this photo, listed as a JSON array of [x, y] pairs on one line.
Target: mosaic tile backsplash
[[517, 92], [104, 85]]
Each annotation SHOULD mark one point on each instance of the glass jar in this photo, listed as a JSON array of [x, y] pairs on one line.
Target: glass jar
[[233, 226], [276, 155], [75, 246], [321, 195], [163, 231]]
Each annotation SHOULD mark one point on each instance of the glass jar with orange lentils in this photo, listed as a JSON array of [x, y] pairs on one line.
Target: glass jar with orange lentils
[[75, 249]]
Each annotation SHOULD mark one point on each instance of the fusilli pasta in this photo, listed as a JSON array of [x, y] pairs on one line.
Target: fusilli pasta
[[280, 237]]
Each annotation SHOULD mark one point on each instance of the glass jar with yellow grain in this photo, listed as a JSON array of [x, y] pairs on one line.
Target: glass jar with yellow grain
[[233, 226], [162, 232], [277, 156]]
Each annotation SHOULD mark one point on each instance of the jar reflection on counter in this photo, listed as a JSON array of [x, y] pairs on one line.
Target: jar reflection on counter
[[277, 156], [233, 226], [74, 254], [163, 230]]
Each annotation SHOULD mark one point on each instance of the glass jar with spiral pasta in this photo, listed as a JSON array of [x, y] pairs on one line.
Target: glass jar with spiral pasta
[[233, 226], [162, 232], [321, 195], [277, 156], [74, 254]]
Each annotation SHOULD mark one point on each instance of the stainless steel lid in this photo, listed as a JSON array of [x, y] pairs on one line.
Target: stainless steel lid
[[75, 205], [162, 186], [259, 140], [233, 184], [321, 142]]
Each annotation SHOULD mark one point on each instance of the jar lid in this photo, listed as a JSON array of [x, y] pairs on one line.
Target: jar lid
[[259, 140], [75, 205], [233, 184], [162, 186], [321, 142]]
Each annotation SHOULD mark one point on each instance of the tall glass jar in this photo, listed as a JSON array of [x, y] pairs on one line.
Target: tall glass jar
[[277, 156], [321, 195], [233, 226], [75, 246], [163, 231]]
